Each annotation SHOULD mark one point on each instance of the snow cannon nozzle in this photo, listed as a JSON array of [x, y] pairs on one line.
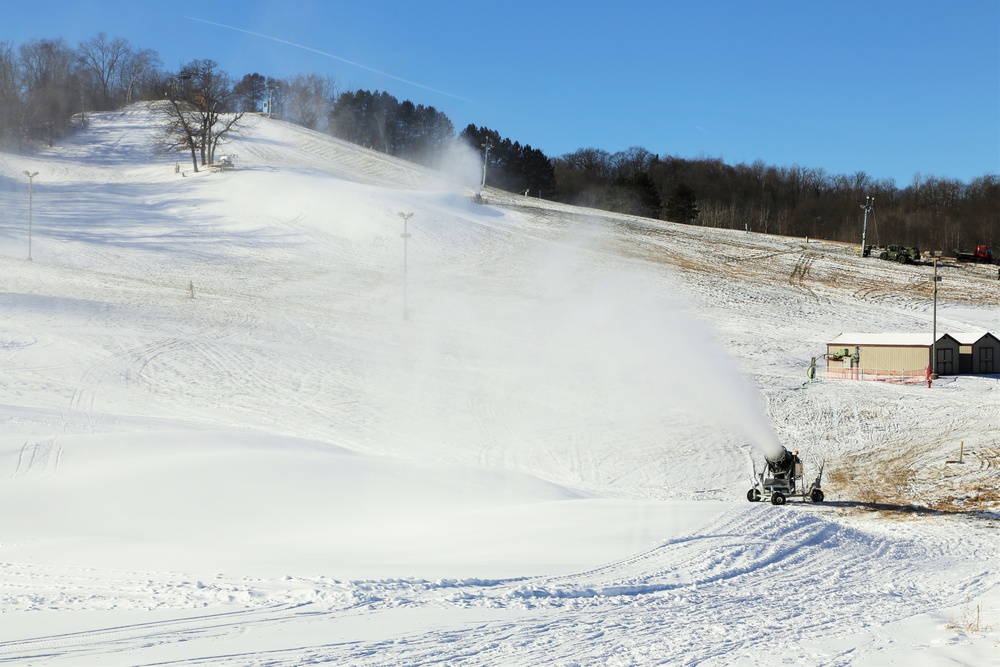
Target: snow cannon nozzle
[[783, 462]]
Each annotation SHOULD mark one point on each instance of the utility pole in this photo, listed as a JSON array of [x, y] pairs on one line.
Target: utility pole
[[270, 98], [937, 279], [406, 235], [869, 205], [486, 156], [31, 191]]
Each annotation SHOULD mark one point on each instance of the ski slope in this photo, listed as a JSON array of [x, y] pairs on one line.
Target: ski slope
[[244, 422]]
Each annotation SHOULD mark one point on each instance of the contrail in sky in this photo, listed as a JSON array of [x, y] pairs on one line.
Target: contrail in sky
[[330, 55]]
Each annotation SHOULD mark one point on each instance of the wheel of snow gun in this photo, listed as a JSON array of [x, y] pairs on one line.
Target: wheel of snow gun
[[777, 498], [816, 495], [753, 495]]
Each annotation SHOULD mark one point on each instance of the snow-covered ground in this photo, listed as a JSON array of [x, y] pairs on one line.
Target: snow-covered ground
[[244, 422]]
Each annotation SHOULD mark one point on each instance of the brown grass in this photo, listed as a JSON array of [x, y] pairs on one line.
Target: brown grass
[[876, 481], [899, 483]]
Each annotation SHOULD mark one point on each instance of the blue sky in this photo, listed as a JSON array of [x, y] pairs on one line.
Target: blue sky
[[893, 89]]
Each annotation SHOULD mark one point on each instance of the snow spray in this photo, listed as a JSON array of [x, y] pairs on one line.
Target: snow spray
[[629, 329], [554, 341], [462, 164]]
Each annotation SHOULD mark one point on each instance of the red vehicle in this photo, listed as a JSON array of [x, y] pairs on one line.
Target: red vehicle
[[983, 254]]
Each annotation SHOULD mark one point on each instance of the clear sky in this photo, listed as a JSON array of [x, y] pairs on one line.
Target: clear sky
[[890, 88]]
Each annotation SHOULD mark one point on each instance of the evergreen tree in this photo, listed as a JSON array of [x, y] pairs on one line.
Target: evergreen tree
[[682, 205], [635, 195], [404, 129], [511, 166]]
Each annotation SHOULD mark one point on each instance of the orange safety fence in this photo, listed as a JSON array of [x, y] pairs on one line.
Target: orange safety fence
[[877, 375]]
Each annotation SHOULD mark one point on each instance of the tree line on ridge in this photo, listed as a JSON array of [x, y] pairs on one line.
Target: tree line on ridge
[[47, 88]]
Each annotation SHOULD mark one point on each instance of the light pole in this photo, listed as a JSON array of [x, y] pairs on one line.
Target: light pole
[[406, 235], [31, 191], [869, 204], [486, 156], [270, 98], [937, 279]]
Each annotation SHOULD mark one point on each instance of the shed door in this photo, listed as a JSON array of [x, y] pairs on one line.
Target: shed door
[[965, 359], [945, 361], [986, 360]]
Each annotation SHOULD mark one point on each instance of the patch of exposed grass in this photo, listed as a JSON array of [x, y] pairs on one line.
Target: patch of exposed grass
[[971, 622], [874, 480], [900, 483]]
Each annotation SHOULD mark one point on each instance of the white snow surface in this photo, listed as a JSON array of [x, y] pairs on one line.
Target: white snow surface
[[244, 422]]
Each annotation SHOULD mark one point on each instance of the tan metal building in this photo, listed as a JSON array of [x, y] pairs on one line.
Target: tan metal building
[[906, 357]]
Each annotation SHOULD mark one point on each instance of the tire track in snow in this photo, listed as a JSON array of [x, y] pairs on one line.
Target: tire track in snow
[[652, 604], [38, 460], [132, 637], [687, 601]]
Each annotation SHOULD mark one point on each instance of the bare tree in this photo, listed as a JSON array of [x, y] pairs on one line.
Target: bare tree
[[136, 72], [308, 100], [101, 59], [11, 109], [181, 131], [49, 86], [114, 70], [632, 161], [199, 110]]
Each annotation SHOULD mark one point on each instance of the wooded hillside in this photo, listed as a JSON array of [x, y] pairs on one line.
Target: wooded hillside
[[46, 87]]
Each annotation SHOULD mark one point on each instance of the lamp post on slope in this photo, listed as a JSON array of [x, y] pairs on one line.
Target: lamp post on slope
[[487, 145], [31, 191], [937, 279], [272, 89], [869, 205], [406, 235]]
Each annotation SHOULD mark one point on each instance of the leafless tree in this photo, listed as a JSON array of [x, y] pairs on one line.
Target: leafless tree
[[199, 110], [308, 100], [135, 73], [11, 104], [101, 59], [181, 131], [632, 161], [50, 87]]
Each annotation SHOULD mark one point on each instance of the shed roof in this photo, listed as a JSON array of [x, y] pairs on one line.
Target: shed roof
[[971, 338], [904, 339]]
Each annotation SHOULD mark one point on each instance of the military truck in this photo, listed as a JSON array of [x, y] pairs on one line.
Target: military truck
[[894, 253]]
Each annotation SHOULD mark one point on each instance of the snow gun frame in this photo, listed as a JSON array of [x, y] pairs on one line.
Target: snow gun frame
[[782, 479]]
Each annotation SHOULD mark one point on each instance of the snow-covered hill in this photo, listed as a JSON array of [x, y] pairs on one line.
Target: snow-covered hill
[[245, 421]]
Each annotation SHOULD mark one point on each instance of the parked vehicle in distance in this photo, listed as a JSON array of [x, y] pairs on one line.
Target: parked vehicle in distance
[[894, 253], [983, 254]]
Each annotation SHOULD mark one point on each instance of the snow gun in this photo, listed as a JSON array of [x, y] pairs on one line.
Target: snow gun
[[782, 478]]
